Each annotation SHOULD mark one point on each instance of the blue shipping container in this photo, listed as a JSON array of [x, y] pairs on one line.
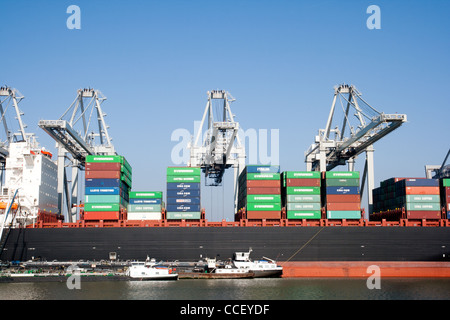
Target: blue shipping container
[[263, 169], [102, 183], [342, 190], [420, 182], [193, 200], [183, 193], [183, 185], [102, 190], [183, 208], [144, 201]]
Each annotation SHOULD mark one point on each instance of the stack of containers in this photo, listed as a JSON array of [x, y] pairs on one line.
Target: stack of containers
[[445, 195], [420, 197], [145, 205], [107, 184], [183, 193], [260, 192], [300, 192], [341, 195]]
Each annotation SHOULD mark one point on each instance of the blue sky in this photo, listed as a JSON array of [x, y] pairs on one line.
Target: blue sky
[[155, 61]]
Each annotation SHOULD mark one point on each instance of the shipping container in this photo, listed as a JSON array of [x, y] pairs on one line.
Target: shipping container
[[340, 182], [303, 190], [424, 206], [145, 201], [295, 214], [422, 198], [338, 214], [102, 190], [146, 194], [183, 208], [144, 208], [182, 193], [183, 215], [183, 171], [183, 179], [108, 183], [103, 174], [186, 200], [423, 214], [101, 215], [264, 198], [144, 216], [338, 198], [262, 190], [301, 174], [183, 186], [342, 190], [342, 174], [296, 182], [263, 183], [102, 207], [264, 214], [262, 169], [103, 166], [260, 176], [342, 206], [106, 158], [421, 190], [102, 198], [275, 206], [303, 198], [299, 206]]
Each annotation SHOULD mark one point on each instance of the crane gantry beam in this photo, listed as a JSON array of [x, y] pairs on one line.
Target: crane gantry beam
[[328, 152]]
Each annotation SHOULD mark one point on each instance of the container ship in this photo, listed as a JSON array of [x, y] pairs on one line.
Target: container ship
[[310, 222]]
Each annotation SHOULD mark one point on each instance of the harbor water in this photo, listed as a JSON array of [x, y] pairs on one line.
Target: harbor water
[[233, 290]]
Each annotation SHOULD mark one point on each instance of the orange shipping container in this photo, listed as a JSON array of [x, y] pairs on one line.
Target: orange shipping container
[[102, 174], [263, 190], [333, 198], [424, 214], [342, 206], [103, 166], [101, 215], [263, 215], [294, 182], [422, 190], [263, 183]]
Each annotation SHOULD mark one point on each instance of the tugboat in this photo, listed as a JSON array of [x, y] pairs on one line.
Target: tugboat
[[149, 270], [261, 268]]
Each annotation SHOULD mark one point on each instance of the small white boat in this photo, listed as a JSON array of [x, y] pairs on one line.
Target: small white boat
[[149, 270], [261, 268]]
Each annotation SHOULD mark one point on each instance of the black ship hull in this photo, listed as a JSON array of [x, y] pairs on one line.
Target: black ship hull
[[194, 243]]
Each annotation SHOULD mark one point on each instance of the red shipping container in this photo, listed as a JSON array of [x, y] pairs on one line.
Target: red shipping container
[[344, 206], [263, 183], [263, 190], [423, 214], [101, 215], [422, 190], [337, 198], [102, 174], [103, 166], [294, 182], [263, 215]]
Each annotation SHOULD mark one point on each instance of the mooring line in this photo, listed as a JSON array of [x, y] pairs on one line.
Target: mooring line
[[304, 245]]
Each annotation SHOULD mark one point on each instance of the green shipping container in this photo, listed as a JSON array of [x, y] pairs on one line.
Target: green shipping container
[[303, 206], [342, 174], [263, 176], [303, 190], [183, 179], [101, 207], [430, 206], [446, 182], [144, 208], [307, 214], [342, 182], [102, 198], [303, 198], [183, 215], [342, 214], [146, 194], [263, 206], [301, 174], [183, 171], [422, 198], [263, 198]]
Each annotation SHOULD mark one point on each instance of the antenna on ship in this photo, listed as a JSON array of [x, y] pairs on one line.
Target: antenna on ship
[[353, 134], [76, 139], [222, 148]]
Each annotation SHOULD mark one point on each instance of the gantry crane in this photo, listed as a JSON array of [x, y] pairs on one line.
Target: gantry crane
[[438, 172], [221, 147], [74, 145], [359, 127]]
